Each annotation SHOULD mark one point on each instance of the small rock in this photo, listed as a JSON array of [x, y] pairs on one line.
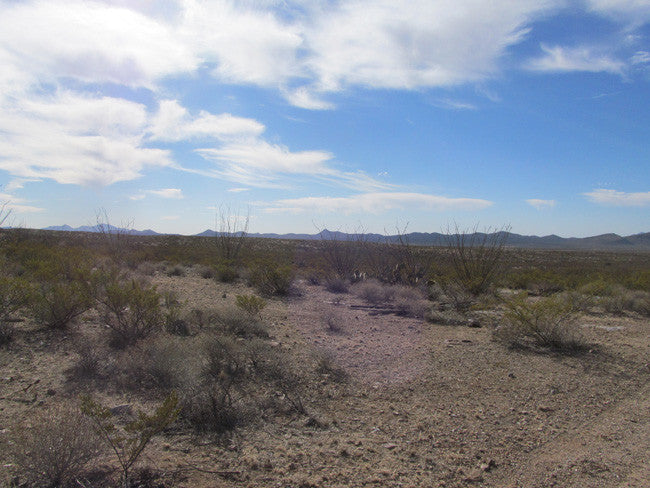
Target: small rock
[[51, 392], [545, 408], [488, 465], [389, 445], [475, 476]]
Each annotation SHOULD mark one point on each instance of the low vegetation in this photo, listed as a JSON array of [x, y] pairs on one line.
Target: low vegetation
[[112, 313]]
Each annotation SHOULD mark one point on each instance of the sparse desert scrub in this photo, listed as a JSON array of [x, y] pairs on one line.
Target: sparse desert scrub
[[373, 292], [132, 311], [57, 305], [271, 279], [251, 304], [476, 258], [334, 321], [237, 322], [56, 448], [547, 322], [409, 301], [622, 300], [226, 273], [337, 285], [128, 442], [7, 333], [15, 293]]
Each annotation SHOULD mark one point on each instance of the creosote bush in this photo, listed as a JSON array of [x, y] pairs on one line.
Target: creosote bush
[[132, 311], [128, 442], [56, 305], [251, 304], [548, 322], [271, 279], [54, 451]]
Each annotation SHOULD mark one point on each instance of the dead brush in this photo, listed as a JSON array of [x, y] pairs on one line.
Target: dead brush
[[334, 321], [55, 449], [373, 292]]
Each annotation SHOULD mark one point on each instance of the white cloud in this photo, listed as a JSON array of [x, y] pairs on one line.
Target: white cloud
[[540, 204], [302, 97], [451, 104], [75, 139], [641, 57], [257, 163], [565, 59], [13, 204], [619, 198], [173, 123], [377, 202], [90, 41], [237, 190], [634, 12], [173, 193]]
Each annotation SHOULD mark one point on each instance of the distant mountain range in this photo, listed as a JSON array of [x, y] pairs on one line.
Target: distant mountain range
[[635, 242], [106, 228]]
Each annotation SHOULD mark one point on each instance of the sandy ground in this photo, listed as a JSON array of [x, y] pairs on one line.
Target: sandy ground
[[425, 404]]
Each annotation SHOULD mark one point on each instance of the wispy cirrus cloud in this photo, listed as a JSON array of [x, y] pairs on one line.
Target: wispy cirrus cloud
[[619, 198], [557, 59], [11, 203], [377, 202], [540, 204]]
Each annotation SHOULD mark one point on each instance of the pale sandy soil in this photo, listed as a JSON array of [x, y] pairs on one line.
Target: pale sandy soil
[[425, 405]]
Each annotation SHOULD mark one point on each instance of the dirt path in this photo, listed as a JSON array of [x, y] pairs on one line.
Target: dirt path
[[373, 347], [609, 450]]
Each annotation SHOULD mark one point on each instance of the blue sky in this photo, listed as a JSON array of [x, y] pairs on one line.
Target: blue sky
[[339, 114]]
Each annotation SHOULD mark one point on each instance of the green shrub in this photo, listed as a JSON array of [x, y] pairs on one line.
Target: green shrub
[[272, 280], [226, 274], [15, 293], [251, 304], [131, 311], [547, 322], [128, 442], [57, 305], [639, 281]]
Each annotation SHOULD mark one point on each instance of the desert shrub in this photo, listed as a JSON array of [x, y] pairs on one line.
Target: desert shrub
[[547, 322], [336, 285], [226, 273], [598, 287], [409, 301], [176, 270], [56, 449], [537, 281], [206, 272], [251, 304], [147, 268], [131, 311], [622, 300], [270, 279], [457, 296], [56, 305], [89, 362], [7, 333], [237, 322], [578, 301], [476, 258], [15, 293], [326, 366], [214, 402], [334, 321], [169, 362], [128, 442], [372, 291], [639, 281]]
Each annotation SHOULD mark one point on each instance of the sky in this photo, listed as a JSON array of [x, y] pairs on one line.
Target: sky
[[363, 114]]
